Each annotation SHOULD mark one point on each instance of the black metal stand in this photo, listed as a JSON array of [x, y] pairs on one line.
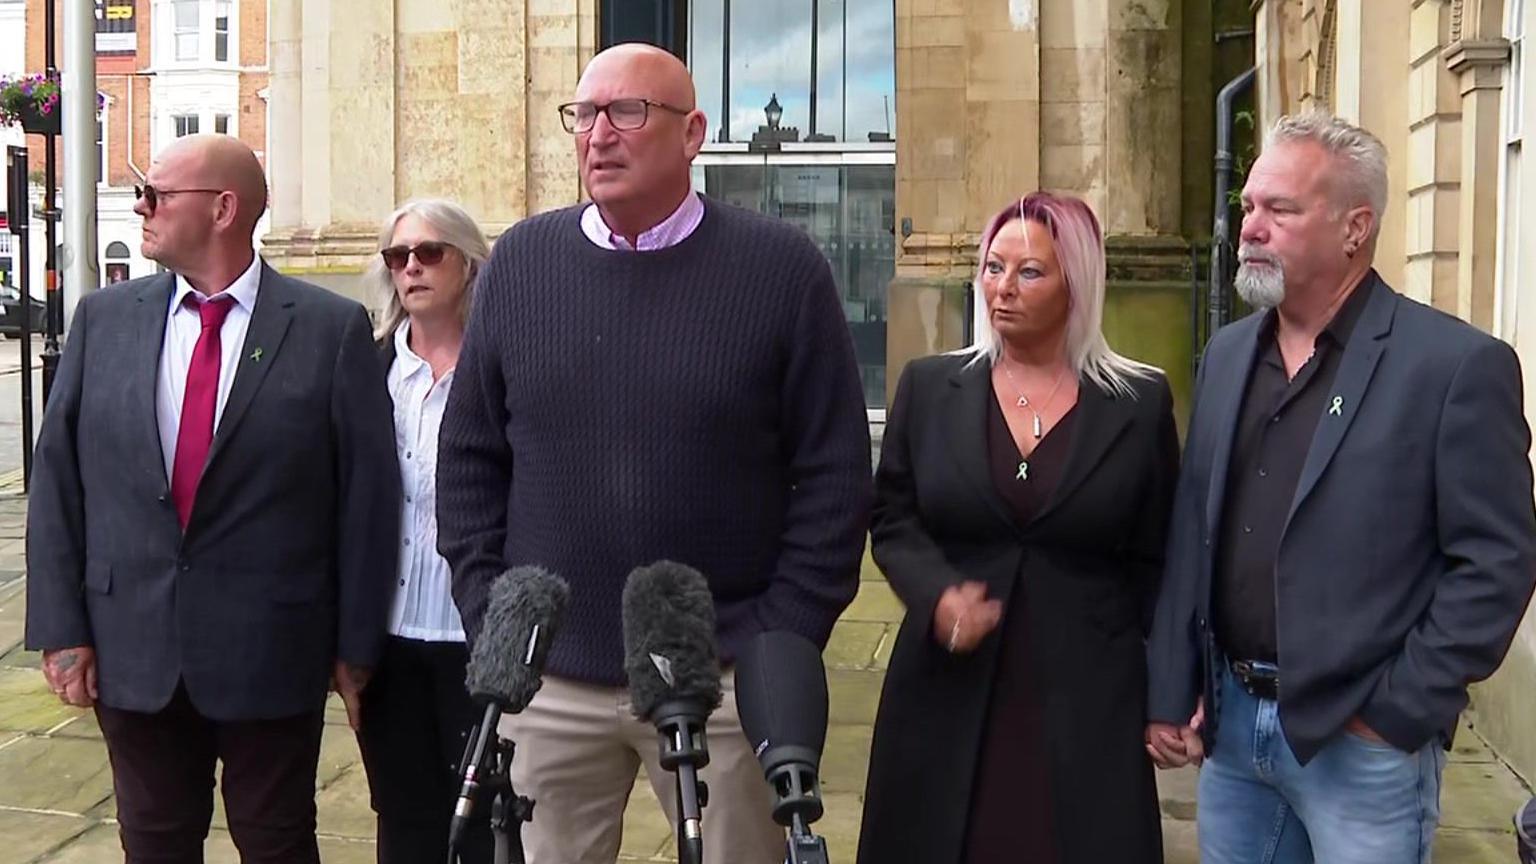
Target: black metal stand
[[55, 316], [17, 213], [684, 750], [805, 847], [796, 804], [509, 810]]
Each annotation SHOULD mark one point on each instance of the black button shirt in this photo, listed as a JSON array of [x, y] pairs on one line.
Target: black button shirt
[[1274, 432]]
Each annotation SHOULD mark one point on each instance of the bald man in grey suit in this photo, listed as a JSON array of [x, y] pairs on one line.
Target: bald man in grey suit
[[213, 520]]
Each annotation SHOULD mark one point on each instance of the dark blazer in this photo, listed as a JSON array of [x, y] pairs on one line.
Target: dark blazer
[[289, 556], [1092, 558], [1410, 551]]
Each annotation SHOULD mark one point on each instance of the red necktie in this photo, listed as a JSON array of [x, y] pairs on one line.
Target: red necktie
[[195, 434]]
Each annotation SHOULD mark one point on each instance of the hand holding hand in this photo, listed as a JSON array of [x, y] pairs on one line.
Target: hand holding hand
[[1173, 746]]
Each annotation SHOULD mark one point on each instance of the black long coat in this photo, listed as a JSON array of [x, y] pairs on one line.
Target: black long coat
[[1092, 559]]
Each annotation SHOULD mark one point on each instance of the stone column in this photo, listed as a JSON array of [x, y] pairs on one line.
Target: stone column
[[1478, 66], [562, 37], [968, 132], [1072, 104], [1280, 57], [1374, 51], [1434, 160], [345, 151], [1142, 104], [380, 101], [285, 111]]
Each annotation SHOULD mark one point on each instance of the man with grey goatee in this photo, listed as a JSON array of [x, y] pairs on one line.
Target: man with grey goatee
[[1353, 540]]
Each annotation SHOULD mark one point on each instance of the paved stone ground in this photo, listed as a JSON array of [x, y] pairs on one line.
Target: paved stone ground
[[56, 791]]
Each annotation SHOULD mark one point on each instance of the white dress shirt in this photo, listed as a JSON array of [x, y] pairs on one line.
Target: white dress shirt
[[423, 607], [183, 326]]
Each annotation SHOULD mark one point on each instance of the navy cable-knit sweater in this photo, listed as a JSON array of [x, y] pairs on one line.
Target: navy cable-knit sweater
[[699, 403]]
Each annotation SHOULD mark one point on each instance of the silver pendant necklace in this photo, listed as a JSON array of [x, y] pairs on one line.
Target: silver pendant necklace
[[1036, 425]]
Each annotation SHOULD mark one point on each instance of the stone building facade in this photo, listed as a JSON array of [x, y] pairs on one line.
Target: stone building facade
[[922, 118]]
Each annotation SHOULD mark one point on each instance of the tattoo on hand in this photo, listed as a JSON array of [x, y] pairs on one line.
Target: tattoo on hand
[[66, 661]]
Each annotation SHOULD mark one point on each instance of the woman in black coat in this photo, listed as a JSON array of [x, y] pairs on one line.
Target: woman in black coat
[[1022, 502]]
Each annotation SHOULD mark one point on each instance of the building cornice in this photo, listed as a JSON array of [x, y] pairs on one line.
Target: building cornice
[[1468, 54]]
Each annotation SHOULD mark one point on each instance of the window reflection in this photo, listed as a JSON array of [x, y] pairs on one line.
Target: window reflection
[[848, 211], [772, 53]]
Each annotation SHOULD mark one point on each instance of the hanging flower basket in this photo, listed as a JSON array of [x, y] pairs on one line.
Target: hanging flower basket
[[31, 102]]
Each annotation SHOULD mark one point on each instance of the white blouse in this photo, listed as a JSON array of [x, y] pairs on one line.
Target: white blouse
[[423, 607]]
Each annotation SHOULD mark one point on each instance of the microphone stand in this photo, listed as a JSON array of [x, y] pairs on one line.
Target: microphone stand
[[684, 750], [509, 810], [797, 804], [805, 847]]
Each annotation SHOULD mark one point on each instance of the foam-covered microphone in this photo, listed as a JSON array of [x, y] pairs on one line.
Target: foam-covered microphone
[[781, 694], [674, 680], [506, 666]]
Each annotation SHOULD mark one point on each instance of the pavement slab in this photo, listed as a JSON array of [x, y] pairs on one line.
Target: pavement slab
[[54, 774], [853, 644], [29, 836], [27, 705], [13, 611]]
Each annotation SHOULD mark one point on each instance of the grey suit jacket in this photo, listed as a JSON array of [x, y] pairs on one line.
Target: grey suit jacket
[[289, 556], [1410, 551]]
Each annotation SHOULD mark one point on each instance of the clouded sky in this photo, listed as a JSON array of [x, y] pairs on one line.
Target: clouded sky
[[771, 54]]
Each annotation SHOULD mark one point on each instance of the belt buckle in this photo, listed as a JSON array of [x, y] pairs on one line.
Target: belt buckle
[[1260, 679]]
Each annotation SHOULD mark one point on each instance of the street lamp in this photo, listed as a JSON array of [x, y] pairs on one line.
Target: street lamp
[[774, 112]]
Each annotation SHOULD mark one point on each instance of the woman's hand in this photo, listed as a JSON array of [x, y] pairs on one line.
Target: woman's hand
[[964, 617]]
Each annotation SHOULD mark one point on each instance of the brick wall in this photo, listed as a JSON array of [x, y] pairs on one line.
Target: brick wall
[[117, 74]]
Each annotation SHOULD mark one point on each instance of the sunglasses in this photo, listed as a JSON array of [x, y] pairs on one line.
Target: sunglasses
[[429, 253], [151, 196]]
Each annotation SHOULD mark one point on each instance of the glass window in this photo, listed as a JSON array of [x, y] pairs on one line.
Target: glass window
[[221, 124], [185, 28], [186, 124], [1515, 82], [830, 65], [221, 30], [1506, 302], [117, 263], [848, 211], [101, 145], [706, 60]]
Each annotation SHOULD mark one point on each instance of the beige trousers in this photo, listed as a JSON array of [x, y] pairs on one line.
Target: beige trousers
[[578, 750]]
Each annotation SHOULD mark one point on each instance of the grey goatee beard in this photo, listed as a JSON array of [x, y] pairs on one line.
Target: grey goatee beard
[[1262, 286]]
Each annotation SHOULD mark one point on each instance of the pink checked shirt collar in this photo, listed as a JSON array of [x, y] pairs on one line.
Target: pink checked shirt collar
[[671, 231]]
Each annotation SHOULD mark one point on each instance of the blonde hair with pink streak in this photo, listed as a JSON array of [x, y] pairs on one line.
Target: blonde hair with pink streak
[[1079, 246]]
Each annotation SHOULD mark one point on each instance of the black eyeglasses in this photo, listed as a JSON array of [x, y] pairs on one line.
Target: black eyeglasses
[[151, 196], [626, 115], [428, 252]]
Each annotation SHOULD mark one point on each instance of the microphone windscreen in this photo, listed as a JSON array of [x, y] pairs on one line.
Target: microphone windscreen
[[781, 693], [669, 638], [525, 608]]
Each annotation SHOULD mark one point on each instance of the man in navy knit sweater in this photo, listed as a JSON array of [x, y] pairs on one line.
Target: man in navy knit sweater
[[652, 376]]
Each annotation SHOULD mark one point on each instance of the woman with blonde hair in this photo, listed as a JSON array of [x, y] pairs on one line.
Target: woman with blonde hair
[[415, 709], [1022, 499]]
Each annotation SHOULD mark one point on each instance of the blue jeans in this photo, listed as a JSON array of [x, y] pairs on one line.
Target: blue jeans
[[1356, 802]]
